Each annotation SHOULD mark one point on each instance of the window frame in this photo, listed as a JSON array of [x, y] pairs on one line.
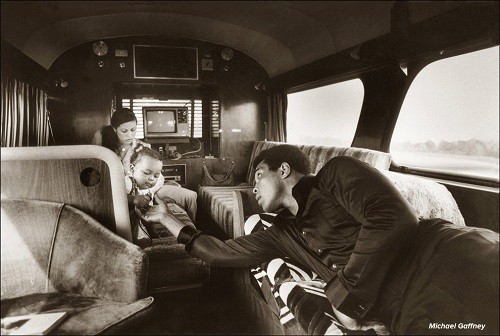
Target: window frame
[[414, 67]]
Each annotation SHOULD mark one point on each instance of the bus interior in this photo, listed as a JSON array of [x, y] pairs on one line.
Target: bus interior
[[411, 87]]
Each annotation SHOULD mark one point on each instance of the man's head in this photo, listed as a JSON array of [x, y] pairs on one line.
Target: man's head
[[277, 170], [145, 167]]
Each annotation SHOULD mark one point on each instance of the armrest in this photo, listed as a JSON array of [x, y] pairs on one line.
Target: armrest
[[90, 260], [245, 205]]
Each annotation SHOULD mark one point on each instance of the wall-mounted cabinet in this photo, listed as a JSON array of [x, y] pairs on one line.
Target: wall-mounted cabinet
[[221, 100]]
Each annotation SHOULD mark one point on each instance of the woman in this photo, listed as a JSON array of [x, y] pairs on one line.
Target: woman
[[120, 138]]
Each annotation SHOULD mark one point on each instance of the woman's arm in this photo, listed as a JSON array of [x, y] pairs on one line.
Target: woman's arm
[[97, 138]]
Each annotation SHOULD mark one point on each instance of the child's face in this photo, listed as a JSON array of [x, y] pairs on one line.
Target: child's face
[[146, 172]]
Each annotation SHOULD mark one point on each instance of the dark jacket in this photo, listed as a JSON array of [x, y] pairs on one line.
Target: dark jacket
[[358, 233], [351, 225]]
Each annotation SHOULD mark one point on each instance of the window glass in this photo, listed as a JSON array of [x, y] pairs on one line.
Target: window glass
[[326, 115], [449, 121]]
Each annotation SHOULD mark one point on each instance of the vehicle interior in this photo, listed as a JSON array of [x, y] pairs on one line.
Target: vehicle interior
[[409, 87]]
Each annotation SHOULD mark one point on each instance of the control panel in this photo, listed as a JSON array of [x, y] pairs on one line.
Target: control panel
[[182, 122], [175, 172]]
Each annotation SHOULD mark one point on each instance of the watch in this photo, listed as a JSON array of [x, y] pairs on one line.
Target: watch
[[100, 48]]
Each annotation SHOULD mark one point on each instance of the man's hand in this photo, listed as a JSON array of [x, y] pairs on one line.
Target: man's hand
[[161, 214], [156, 213]]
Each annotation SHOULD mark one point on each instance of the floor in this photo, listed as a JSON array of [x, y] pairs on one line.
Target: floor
[[209, 310], [212, 309]]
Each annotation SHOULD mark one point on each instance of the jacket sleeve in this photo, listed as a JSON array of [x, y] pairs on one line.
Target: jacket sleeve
[[245, 251], [387, 223]]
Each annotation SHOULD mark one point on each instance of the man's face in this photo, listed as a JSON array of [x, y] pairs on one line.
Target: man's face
[[269, 187], [126, 132], [146, 172]]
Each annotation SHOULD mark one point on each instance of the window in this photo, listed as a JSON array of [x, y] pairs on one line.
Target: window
[[326, 115], [449, 121], [194, 113]]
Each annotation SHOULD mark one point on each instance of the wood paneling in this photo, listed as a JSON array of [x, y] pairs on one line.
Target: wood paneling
[[59, 181], [86, 104], [243, 109]]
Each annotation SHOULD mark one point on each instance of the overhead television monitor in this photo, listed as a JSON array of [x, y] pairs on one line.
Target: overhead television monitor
[[165, 122], [165, 62]]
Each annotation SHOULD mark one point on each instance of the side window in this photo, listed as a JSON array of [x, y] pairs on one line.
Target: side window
[[326, 115], [449, 121]]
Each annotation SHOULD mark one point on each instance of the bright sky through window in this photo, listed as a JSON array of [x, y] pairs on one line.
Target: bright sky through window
[[326, 115]]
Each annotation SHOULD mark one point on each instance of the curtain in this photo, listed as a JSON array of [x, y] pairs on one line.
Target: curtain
[[25, 119], [276, 128]]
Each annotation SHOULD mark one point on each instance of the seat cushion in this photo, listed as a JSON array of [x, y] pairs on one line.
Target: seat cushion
[[86, 315], [319, 155], [429, 198], [170, 266], [219, 202]]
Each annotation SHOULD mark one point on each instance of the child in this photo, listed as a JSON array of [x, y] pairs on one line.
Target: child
[[145, 170]]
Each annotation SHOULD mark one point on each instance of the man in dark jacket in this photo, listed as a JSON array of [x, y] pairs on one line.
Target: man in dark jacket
[[352, 227]]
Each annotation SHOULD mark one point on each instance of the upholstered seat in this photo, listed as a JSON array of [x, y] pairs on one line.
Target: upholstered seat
[[57, 258], [218, 201], [170, 266]]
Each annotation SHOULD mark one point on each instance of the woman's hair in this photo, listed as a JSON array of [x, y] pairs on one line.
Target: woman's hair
[[145, 151], [121, 116], [290, 154]]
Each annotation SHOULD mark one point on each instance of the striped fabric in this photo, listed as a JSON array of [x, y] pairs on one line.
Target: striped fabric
[[296, 293], [218, 200]]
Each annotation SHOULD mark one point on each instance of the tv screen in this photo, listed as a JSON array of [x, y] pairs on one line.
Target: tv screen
[[161, 121], [165, 122], [165, 62]]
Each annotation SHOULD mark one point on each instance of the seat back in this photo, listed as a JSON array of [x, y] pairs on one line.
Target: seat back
[[57, 174], [319, 155], [52, 247]]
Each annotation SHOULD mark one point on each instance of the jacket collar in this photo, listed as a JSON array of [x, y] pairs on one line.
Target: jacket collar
[[301, 193]]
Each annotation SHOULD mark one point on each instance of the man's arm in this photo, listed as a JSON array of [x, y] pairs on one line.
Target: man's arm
[[388, 222], [244, 251]]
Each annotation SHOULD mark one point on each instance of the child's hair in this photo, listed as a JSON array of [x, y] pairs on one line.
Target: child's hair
[[145, 151]]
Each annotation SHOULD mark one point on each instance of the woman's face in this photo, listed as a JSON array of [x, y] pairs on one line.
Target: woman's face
[[126, 132]]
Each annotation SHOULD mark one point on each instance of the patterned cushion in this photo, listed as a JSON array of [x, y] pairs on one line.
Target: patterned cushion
[[296, 292], [429, 199]]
